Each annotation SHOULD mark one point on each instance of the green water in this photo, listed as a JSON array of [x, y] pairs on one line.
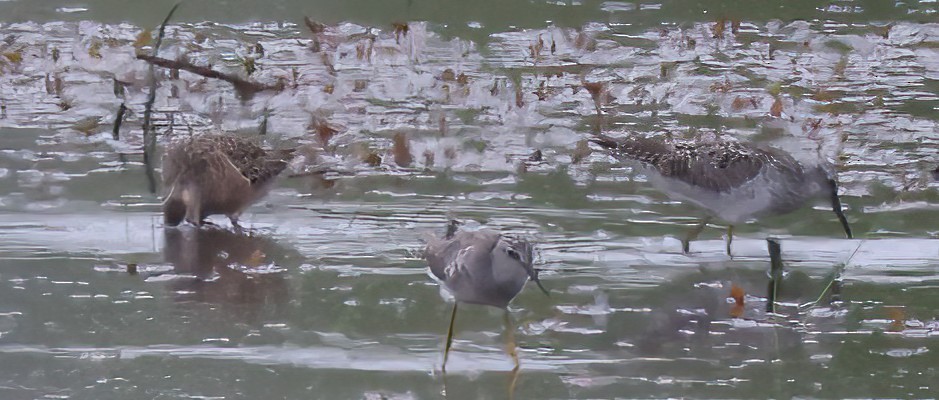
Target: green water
[[327, 296]]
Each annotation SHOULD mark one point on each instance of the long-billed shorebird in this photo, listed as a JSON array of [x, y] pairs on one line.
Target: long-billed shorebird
[[733, 181], [216, 174], [481, 267]]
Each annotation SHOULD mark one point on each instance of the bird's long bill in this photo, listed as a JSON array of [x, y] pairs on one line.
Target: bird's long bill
[[836, 207], [533, 275]]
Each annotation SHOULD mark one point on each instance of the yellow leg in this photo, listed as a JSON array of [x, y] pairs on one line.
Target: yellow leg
[[510, 339], [513, 379], [446, 351], [693, 234], [730, 239]]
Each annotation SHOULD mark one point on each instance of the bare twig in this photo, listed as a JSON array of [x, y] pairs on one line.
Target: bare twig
[[245, 88], [149, 137], [116, 132]]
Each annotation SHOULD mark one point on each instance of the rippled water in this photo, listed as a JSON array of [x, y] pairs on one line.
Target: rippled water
[[327, 296]]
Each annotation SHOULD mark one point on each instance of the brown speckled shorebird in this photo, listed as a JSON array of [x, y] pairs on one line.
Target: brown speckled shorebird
[[216, 174], [481, 267], [733, 181]]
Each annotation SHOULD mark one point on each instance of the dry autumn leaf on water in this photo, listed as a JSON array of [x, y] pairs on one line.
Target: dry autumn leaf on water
[[401, 29], [777, 108], [737, 293], [323, 130], [581, 152], [402, 150]]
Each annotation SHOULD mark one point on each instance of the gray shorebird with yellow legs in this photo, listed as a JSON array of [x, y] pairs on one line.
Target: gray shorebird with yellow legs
[[216, 174], [481, 267], [733, 181]]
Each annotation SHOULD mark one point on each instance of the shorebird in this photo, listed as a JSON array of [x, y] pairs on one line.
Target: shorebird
[[481, 267], [733, 181], [216, 174]]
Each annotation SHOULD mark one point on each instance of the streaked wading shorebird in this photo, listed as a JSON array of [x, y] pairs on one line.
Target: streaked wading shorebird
[[216, 174], [481, 267], [733, 181]]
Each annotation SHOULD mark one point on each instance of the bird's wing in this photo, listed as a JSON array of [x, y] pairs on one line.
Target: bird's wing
[[462, 256], [715, 166], [252, 161]]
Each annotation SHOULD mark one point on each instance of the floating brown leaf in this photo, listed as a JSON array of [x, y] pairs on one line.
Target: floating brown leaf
[[442, 125], [143, 38], [534, 50], [739, 103], [723, 87], [811, 125], [360, 85], [738, 294], [132, 269], [248, 63], [581, 152], [401, 29], [777, 108], [841, 66], [15, 57], [519, 97], [898, 317], [88, 125], [719, 27], [536, 156], [541, 92], [428, 159], [450, 153], [824, 95], [599, 93], [585, 42], [324, 132], [448, 75], [883, 31], [95, 49], [372, 159], [322, 182], [402, 150], [313, 26], [360, 51]]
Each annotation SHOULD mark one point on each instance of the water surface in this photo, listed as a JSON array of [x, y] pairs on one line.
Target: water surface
[[326, 295]]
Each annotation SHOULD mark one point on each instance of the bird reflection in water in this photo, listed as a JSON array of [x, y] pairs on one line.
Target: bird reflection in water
[[706, 310], [227, 268]]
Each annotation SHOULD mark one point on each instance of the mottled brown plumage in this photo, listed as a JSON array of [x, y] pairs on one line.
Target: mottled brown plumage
[[734, 181], [216, 174]]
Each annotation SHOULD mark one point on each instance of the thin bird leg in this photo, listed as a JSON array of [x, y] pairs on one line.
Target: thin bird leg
[[234, 219], [693, 234], [836, 207], [730, 239], [776, 267], [446, 351], [513, 379], [510, 338]]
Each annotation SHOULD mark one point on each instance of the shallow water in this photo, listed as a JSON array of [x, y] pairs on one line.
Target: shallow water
[[327, 296]]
